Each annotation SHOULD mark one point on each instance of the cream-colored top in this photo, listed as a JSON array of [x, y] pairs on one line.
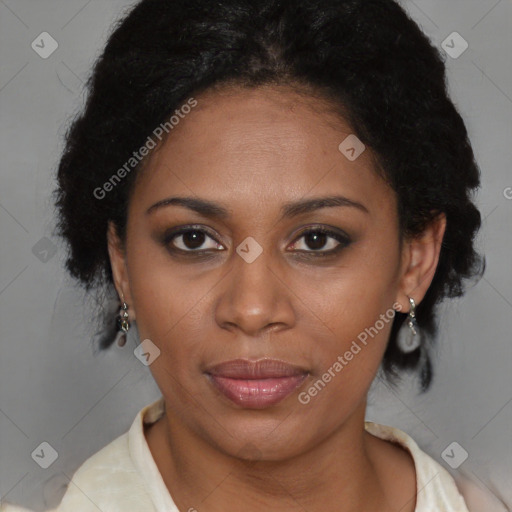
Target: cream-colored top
[[123, 476]]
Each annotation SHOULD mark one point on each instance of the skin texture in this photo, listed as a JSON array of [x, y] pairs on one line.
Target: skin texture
[[252, 151]]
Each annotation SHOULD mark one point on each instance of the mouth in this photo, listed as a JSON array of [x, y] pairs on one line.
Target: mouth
[[256, 384]]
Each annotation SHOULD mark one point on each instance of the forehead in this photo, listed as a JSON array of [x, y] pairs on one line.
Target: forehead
[[246, 147]]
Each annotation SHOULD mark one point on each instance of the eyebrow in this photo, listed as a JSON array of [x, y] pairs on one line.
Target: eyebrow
[[288, 210]]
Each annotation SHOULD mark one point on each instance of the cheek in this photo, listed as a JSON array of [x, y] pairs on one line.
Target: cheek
[[164, 301], [355, 308], [360, 338], [346, 368], [170, 313]]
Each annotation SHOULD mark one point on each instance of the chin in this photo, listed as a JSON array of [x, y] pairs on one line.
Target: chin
[[260, 437]]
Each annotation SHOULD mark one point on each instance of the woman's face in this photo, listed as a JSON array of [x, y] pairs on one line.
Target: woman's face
[[250, 283]]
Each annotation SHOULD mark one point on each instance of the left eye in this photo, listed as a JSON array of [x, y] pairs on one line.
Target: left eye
[[316, 239]]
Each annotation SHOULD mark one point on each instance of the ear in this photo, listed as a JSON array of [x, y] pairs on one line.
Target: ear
[[420, 256], [117, 256]]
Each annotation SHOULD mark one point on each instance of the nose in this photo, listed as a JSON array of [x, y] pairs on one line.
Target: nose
[[255, 298]]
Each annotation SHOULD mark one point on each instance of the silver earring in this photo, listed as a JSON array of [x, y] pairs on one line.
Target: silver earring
[[409, 341], [123, 324]]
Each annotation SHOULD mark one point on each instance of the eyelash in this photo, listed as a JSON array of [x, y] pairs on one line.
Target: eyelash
[[343, 240]]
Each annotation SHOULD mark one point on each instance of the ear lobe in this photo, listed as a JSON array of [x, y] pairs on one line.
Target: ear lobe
[[117, 262], [420, 258]]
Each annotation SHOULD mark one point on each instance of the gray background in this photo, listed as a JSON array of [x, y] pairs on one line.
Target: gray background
[[55, 388]]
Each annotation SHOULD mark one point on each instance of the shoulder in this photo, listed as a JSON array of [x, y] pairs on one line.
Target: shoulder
[[117, 478], [110, 479], [107, 471], [435, 487], [106, 481]]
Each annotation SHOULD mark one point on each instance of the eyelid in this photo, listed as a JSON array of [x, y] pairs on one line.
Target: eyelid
[[340, 236], [337, 234], [173, 233]]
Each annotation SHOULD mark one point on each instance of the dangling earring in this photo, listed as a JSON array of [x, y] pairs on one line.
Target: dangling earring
[[123, 323], [409, 341]]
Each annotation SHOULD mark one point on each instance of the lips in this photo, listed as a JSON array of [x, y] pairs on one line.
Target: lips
[[256, 384]]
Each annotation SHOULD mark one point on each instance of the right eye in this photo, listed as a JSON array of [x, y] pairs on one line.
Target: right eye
[[191, 239]]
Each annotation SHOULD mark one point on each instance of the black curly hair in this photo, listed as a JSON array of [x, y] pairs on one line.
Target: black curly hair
[[367, 58]]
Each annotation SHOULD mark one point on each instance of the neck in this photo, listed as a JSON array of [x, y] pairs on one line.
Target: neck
[[337, 474]]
